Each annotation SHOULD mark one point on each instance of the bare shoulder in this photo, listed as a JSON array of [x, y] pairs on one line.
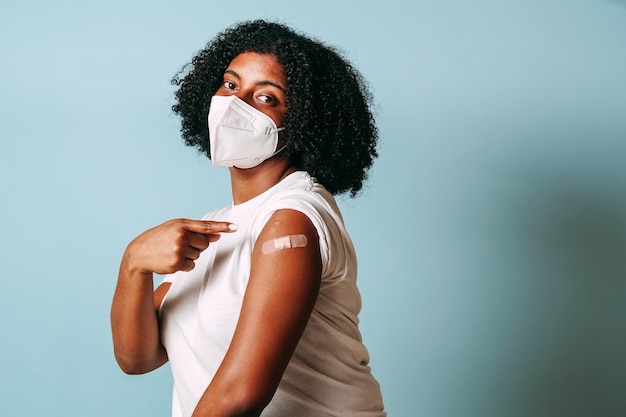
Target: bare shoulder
[[288, 229], [287, 220]]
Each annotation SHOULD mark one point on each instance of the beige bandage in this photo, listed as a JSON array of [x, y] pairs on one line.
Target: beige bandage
[[284, 242]]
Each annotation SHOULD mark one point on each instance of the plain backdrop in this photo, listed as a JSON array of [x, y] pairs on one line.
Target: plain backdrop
[[491, 235]]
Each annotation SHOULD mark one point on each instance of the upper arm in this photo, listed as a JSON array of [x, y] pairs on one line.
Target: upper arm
[[281, 292]]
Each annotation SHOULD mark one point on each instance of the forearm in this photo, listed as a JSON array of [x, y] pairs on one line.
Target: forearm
[[227, 405], [134, 322]]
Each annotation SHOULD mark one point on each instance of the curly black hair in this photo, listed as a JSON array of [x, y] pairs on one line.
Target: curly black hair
[[330, 131]]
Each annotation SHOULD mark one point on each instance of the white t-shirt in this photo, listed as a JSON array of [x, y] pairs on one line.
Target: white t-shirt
[[328, 374]]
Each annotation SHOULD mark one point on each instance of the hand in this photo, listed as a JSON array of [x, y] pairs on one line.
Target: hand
[[174, 245]]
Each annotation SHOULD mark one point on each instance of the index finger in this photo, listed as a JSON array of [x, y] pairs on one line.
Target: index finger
[[208, 227]]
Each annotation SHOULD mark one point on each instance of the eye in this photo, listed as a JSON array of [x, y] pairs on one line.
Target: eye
[[229, 85], [266, 99]]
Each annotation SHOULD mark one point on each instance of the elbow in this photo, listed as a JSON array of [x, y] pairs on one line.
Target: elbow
[[136, 364], [129, 366]]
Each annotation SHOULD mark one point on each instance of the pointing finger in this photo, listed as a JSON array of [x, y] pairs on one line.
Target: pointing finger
[[207, 227]]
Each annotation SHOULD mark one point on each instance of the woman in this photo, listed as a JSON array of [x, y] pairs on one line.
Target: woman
[[258, 315]]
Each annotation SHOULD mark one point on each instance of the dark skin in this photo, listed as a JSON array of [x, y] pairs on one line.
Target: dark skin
[[281, 291]]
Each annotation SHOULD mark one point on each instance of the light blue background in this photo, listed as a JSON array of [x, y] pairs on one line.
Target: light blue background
[[492, 235]]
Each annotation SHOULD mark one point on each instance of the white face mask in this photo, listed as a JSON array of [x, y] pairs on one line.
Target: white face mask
[[240, 135]]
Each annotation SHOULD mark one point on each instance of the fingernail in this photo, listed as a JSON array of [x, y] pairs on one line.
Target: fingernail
[[233, 226]]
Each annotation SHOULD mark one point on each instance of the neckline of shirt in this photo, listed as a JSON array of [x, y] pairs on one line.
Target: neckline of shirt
[[259, 199]]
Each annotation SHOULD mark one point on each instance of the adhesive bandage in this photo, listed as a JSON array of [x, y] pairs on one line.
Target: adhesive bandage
[[284, 242]]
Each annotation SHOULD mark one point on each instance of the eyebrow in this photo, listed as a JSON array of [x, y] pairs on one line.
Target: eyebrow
[[234, 74]]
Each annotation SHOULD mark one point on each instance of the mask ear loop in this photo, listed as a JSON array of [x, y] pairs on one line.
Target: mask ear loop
[[279, 150], [269, 131]]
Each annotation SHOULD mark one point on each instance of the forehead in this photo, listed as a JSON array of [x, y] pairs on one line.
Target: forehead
[[254, 66]]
